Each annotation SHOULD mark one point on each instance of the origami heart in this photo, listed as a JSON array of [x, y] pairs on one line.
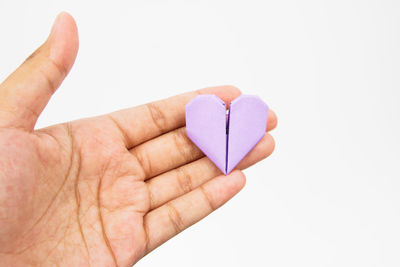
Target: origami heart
[[226, 136]]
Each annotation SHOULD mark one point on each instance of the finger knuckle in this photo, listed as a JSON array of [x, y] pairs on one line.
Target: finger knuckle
[[175, 218], [184, 146], [184, 180], [157, 116]]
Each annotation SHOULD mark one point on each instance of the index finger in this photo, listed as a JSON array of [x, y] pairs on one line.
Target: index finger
[[142, 123]]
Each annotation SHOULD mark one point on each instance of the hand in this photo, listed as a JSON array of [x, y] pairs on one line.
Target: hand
[[103, 191]]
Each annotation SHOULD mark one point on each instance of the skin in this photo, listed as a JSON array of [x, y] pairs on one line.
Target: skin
[[103, 191]]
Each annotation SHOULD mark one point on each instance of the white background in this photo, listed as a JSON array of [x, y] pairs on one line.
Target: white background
[[329, 195]]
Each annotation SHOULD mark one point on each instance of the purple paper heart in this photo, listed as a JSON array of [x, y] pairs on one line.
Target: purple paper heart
[[224, 137]]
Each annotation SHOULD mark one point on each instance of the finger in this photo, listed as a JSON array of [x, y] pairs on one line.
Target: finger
[[186, 178], [145, 122], [272, 121], [177, 146], [25, 93], [170, 219]]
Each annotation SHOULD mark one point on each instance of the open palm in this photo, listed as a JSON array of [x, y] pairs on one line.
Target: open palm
[[103, 191]]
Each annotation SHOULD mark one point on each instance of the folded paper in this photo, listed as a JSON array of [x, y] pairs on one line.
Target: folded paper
[[226, 136]]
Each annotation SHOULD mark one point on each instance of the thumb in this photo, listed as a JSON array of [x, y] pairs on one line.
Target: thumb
[[26, 92]]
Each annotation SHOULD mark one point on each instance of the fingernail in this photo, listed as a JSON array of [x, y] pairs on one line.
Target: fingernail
[[55, 27], [63, 40]]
